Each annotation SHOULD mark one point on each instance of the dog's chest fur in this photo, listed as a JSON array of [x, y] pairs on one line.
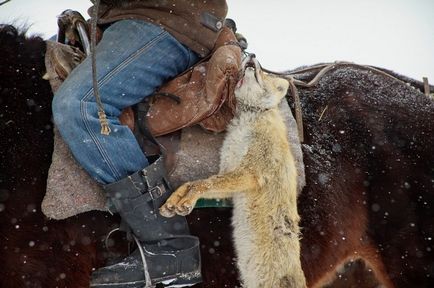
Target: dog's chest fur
[[237, 141]]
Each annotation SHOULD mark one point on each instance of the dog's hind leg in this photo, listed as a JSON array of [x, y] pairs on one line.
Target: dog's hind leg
[[267, 245]]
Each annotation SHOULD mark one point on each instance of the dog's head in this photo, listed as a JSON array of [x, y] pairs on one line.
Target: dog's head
[[257, 89]]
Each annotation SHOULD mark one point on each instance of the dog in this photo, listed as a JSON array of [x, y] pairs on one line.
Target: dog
[[258, 171]]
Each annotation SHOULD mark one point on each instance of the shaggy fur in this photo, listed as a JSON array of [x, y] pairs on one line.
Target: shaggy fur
[[258, 170], [369, 184]]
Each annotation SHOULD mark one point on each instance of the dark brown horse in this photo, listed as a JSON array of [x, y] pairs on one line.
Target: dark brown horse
[[369, 156]]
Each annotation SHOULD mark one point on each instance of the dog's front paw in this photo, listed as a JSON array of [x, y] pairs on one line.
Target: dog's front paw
[[185, 206], [169, 209], [182, 201]]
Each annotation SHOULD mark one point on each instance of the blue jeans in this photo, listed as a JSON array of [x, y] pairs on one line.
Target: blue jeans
[[133, 59]]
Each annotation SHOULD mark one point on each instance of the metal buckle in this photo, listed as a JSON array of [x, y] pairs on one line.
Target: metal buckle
[[157, 189]]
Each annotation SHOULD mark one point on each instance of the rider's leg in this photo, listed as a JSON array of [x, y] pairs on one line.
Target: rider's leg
[[133, 59]]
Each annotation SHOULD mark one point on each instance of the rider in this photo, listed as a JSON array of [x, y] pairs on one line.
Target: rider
[[145, 43]]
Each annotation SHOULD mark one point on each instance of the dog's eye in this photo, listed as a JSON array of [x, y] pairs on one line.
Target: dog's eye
[[280, 88]]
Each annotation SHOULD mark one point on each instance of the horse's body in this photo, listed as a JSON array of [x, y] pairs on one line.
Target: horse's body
[[369, 159], [369, 171]]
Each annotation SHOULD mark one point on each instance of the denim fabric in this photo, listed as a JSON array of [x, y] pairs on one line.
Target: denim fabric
[[133, 59]]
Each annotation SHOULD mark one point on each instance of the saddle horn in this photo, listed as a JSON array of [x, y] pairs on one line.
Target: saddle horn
[[73, 26]]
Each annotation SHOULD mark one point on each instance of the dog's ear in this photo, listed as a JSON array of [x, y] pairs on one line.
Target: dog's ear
[[281, 85], [275, 90]]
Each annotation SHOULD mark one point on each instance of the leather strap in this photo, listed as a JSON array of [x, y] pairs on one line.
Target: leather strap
[[155, 178], [150, 182]]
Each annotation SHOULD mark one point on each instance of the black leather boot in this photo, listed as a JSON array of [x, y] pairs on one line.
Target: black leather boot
[[166, 252]]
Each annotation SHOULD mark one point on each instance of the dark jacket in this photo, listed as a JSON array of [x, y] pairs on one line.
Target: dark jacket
[[195, 23]]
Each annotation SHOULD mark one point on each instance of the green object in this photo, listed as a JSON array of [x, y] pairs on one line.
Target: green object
[[213, 203]]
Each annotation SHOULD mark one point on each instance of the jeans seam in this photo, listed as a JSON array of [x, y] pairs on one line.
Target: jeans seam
[[102, 151], [127, 61], [108, 76], [189, 58]]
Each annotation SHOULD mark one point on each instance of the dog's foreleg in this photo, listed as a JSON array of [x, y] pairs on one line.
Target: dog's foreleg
[[182, 201]]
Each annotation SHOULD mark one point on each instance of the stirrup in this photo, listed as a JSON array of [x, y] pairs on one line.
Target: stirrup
[[148, 282], [129, 236], [108, 237]]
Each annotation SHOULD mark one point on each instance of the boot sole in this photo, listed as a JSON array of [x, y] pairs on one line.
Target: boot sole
[[177, 282]]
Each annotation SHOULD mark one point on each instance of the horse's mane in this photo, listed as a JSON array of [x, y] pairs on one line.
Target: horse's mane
[[26, 145], [19, 51], [25, 98], [22, 65]]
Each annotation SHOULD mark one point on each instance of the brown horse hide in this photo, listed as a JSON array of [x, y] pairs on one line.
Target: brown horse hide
[[369, 157]]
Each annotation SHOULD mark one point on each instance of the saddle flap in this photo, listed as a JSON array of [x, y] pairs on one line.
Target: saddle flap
[[203, 90], [221, 80], [166, 115]]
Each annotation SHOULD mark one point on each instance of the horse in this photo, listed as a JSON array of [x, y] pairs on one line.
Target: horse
[[369, 160]]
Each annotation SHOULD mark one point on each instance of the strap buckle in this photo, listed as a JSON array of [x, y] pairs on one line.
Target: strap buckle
[[153, 177], [156, 191]]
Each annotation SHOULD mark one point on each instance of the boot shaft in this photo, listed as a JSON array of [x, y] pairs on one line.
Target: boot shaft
[[137, 199]]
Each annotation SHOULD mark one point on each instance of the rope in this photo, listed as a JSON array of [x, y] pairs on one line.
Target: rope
[[298, 112], [105, 129]]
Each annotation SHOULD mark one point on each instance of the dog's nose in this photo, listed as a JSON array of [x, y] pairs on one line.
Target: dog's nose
[[252, 55]]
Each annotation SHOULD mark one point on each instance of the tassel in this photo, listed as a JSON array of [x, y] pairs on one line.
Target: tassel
[[105, 128]]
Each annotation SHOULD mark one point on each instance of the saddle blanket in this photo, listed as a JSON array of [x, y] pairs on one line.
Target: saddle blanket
[[71, 191]]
